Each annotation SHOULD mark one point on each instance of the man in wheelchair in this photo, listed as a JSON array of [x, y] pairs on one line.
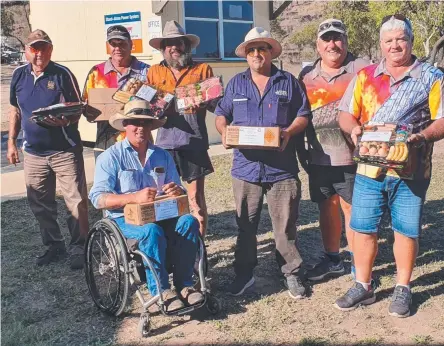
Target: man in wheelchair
[[125, 174]]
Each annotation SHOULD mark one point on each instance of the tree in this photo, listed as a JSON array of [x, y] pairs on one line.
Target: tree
[[15, 20], [363, 19]]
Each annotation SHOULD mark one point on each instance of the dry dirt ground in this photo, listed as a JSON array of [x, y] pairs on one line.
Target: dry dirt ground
[[52, 306]]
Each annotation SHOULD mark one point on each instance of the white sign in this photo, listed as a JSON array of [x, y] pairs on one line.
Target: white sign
[[166, 209], [147, 93], [251, 136], [154, 29], [376, 136]]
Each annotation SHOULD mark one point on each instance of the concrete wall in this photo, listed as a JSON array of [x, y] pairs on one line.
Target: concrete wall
[[77, 30]]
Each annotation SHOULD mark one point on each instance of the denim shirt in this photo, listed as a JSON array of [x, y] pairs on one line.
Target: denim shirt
[[283, 100], [119, 171]]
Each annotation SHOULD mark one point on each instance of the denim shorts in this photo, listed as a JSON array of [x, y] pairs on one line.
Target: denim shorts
[[404, 199]]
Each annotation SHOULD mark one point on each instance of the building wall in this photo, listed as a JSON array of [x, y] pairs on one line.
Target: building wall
[[77, 30]]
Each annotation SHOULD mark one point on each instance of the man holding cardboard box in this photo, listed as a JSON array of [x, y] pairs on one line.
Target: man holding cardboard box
[[125, 174], [400, 90], [113, 73], [259, 101]]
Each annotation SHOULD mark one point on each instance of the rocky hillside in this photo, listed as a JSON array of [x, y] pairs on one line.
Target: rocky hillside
[[289, 23]]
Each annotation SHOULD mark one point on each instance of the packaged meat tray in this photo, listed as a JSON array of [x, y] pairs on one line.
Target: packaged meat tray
[[198, 94], [159, 100], [65, 109], [384, 145]]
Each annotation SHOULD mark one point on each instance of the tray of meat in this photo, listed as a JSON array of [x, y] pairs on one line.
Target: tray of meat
[[198, 94], [65, 109], [384, 145], [130, 88]]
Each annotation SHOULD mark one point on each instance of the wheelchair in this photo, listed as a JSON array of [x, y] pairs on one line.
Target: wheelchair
[[114, 264]]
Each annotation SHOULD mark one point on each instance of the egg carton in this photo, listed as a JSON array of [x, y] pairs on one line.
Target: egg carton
[[384, 145]]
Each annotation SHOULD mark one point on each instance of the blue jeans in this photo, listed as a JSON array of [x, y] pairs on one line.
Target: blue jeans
[[175, 241], [404, 198]]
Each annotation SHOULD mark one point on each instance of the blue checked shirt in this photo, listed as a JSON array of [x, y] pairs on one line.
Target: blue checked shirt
[[119, 171]]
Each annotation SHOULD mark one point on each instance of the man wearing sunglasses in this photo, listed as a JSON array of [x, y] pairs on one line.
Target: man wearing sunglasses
[[331, 168], [184, 135], [403, 90], [52, 152], [125, 174], [263, 96], [113, 73]]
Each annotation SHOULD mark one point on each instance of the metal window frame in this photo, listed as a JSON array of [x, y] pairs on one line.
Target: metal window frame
[[221, 22]]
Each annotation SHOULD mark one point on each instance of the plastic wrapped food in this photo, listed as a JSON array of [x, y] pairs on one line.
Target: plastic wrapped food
[[159, 100], [198, 94], [65, 109], [130, 88], [384, 145]]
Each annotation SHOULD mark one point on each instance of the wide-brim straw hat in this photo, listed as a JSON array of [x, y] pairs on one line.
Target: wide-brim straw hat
[[134, 110], [173, 29], [259, 34]]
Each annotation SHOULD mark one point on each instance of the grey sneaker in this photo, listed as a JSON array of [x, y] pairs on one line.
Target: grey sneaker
[[296, 288], [357, 295], [53, 254], [326, 268], [239, 285], [401, 300]]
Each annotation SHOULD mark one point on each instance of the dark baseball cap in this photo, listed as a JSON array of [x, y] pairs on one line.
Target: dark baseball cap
[[118, 32], [38, 36]]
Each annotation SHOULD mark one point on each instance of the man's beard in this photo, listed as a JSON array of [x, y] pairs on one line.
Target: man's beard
[[182, 61]]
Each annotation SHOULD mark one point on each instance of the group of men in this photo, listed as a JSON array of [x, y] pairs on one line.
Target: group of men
[[320, 116]]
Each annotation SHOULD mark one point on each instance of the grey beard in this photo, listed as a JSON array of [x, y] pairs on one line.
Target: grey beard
[[183, 61]]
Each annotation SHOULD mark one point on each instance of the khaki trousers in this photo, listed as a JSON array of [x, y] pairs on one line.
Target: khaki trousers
[[41, 174]]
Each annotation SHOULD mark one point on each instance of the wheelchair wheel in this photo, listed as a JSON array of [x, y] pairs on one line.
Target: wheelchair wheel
[[106, 268]]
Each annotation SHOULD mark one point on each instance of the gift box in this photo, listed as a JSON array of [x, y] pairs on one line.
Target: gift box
[[162, 208], [59, 110], [249, 137], [383, 145], [198, 94]]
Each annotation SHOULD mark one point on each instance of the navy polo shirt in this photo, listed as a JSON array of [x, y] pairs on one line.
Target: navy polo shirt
[[28, 92], [283, 100]]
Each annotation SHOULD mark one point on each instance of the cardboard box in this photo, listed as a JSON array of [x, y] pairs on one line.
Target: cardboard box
[[248, 137], [101, 104], [161, 209]]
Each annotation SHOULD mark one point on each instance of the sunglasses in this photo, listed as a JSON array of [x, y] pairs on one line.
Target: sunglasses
[[337, 25], [328, 36], [42, 47], [260, 50], [169, 42], [398, 17], [137, 122], [117, 43]]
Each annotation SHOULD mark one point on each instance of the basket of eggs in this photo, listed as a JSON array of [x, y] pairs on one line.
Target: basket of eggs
[[384, 145]]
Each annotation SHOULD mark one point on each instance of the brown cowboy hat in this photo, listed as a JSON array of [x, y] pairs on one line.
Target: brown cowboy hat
[[135, 109], [173, 29]]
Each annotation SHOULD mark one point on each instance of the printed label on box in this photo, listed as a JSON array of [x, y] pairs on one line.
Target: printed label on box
[[166, 209], [168, 97], [251, 136], [376, 136], [147, 93]]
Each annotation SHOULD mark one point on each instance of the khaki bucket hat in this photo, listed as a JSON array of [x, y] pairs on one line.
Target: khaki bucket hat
[[135, 109]]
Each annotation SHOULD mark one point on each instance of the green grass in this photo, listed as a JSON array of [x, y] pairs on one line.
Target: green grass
[[52, 306]]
